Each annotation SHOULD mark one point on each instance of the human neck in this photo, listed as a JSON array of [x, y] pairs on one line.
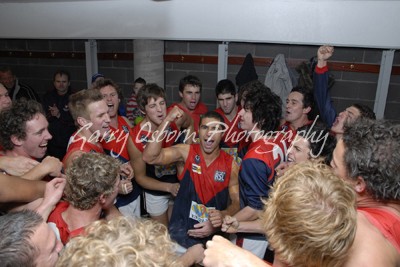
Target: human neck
[[366, 201], [148, 125], [114, 121], [231, 116], [15, 152], [76, 218], [89, 136], [303, 120], [181, 104], [210, 157]]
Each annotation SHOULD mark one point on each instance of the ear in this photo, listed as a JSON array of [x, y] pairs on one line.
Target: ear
[[306, 110], [81, 121], [360, 185], [236, 98], [180, 94], [16, 141], [102, 199]]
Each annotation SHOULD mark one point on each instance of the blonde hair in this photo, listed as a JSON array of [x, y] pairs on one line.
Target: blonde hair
[[79, 101], [121, 242], [90, 176], [310, 217]]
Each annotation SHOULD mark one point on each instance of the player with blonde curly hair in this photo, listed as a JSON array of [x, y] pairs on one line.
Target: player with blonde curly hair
[[92, 186], [310, 219], [121, 242]]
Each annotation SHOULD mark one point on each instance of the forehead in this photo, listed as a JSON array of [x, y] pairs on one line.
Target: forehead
[[138, 85], [152, 100], [38, 122], [61, 77], [210, 121], [97, 107], [108, 89], [296, 96], [354, 111], [225, 96], [301, 141], [191, 88]]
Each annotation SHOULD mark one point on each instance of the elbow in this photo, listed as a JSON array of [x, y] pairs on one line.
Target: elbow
[[148, 159]]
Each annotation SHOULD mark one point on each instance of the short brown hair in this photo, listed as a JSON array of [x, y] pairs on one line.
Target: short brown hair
[[79, 102]]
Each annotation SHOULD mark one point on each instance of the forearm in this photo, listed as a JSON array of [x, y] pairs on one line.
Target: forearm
[[151, 153], [250, 227], [232, 209], [45, 209], [322, 97], [153, 184], [36, 173], [16, 189], [247, 214]]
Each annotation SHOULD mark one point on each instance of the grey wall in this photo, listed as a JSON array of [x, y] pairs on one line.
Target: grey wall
[[354, 23], [350, 87]]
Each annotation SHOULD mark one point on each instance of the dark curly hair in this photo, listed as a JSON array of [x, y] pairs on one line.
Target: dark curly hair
[[13, 121], [365, 111], [265, 106], [372, 151]]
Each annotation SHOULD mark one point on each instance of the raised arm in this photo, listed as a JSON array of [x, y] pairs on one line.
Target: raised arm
[[186, 122], [320, 81], [155, 154], [53, 193]]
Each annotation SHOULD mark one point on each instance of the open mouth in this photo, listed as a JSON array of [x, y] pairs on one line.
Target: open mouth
[[43, 145], [208, 143], [336, 121]]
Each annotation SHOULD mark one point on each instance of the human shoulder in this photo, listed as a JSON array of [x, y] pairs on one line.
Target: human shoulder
[[370, 247]]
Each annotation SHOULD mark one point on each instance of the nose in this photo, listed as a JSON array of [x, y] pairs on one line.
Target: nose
[[107, 118], [342, 114], [159, 108], [241, 112], [48, 135]]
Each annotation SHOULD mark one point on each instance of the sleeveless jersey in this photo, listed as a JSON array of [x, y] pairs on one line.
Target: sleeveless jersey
[[79, 143], [387, 222], [58, 224], [202, 188]]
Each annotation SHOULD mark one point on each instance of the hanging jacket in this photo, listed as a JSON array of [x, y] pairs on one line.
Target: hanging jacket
[[278, 79]]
